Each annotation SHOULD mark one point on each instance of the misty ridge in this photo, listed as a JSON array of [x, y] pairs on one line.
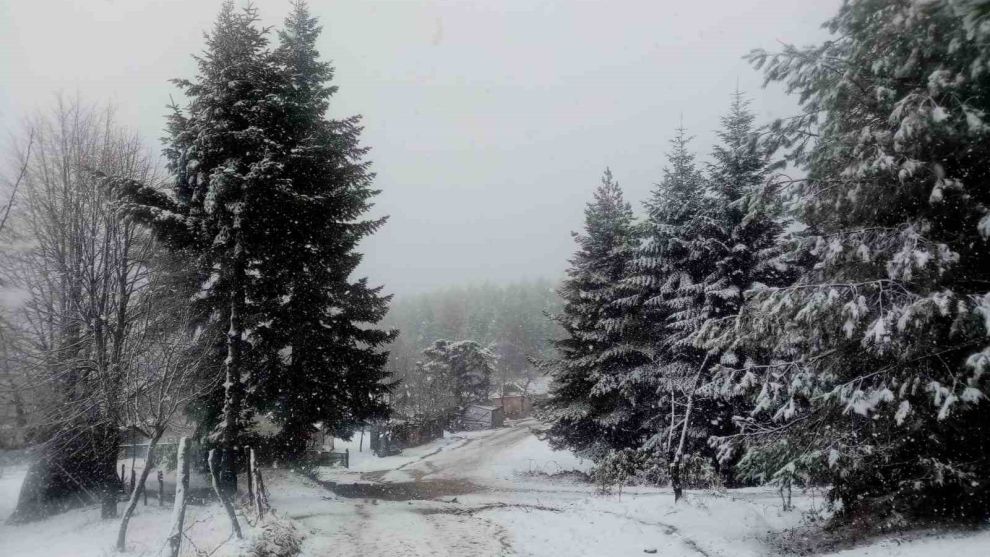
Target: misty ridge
[[430, 278]]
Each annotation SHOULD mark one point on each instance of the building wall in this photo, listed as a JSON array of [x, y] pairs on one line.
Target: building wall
[[515, 406]]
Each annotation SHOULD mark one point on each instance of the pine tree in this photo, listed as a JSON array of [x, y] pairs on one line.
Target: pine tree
[[664, 283], [463, 368], [881, 345], [268, 200], [743, 241], [225, 161], [590, 406], [322, 356]]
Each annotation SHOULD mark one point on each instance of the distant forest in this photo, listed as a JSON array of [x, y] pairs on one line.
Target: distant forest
[[509, 319]]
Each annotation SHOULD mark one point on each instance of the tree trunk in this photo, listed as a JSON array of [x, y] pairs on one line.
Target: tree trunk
[[77, 468], [255, 472], [673, 416], [250, 474], [232, 383], [136, 492], [675, 464], [227, 505], [179, 506], [106, 455]]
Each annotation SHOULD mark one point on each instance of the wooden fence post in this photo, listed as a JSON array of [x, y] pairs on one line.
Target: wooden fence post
[[255, 472], [347, 458], [179, 507], [250, 473], [161, 489], [220, 491], [123, 477], [133, 478]]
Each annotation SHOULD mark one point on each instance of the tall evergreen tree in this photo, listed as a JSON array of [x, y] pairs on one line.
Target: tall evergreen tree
[[268, 200], [589, 406], [324, 358], [225, 155], [664, 283], [743, 242], [882, 360]]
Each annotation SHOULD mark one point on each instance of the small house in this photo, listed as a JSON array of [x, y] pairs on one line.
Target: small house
[[477, 416], [515, 401]]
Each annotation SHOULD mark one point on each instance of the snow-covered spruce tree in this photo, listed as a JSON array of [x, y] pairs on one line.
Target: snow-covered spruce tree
[[463, 369], [226, 150], [665, 283], [322, 357], [882, 343], [742, 233], [428, 391], [590, 406]]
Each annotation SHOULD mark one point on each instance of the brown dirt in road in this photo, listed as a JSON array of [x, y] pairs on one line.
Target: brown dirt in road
[[486, 507], [403, 491]]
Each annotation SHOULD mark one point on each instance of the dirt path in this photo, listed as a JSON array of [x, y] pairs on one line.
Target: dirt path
[[456, 501], [415, 518]]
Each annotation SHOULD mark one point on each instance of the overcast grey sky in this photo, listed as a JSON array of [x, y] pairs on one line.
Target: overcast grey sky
[[490, 122]]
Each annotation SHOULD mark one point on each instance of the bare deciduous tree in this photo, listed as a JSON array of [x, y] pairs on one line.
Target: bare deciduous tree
[[169, 373], [78, 265]]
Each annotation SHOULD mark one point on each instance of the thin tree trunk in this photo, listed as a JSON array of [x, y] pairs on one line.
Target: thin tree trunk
[[136, 492], [673, 416], [250, 474], [17, 183], [227, 505], [110, 447], [675, 464], [232, 384], [256, 473], [260, 489], [179, 506]]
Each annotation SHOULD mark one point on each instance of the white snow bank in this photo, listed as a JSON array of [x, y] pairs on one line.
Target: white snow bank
[[10, 487]]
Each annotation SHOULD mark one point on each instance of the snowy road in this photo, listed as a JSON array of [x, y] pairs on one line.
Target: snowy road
[[473, 495], [403, 511]]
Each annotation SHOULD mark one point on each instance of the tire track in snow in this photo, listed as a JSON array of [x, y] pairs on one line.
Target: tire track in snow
[[668, 529]]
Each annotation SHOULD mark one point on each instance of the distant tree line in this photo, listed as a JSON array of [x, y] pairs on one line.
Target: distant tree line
[[829, 326]]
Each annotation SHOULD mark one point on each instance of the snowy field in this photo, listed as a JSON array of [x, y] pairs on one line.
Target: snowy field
[[471, 494]]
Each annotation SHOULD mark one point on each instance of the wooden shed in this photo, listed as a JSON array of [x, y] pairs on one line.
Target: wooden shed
[[477, 416]]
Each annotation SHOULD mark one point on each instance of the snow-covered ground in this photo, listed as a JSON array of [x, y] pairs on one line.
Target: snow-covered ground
[[482, 493], [491, 496], [82, 532], [474, 494]]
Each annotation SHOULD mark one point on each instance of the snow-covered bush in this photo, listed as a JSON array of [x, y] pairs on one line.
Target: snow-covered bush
[[614, 471], [277, 537]]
